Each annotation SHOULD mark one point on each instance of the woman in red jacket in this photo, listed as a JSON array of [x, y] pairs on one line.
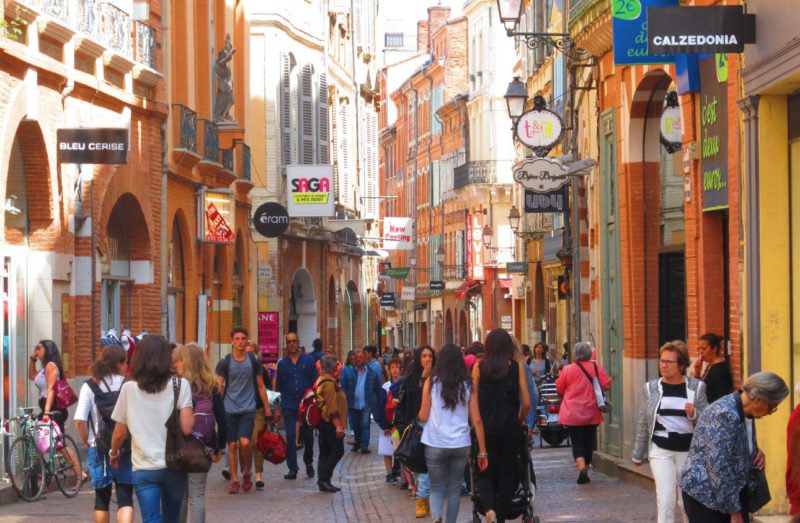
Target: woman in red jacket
[[579, 412], [793, 462]]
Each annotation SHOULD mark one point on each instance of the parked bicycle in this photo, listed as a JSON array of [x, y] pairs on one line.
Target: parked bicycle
[[38, 454]]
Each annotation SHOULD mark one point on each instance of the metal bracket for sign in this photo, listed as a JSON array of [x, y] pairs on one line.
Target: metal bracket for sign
[[561, 42]]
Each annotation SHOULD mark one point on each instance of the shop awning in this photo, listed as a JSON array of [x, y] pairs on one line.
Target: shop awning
[[461, 292], [507, 284], [377, 253]]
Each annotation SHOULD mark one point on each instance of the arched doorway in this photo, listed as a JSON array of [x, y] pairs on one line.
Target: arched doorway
[[463, 329], [303, 308], [351, 317], [176, 282], [448, 327]]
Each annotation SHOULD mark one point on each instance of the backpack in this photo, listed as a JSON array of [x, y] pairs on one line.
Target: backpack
[[105, 403], [309, 410], [272, 446], [204, 417]]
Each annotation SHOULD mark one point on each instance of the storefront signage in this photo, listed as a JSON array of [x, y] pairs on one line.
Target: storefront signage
[[387, 300], [630, 31], [408, 293], [541, 175], [555, 201], [696, 30], [310, 190], [436, 285], [398, 234], [475, 247], [420, 306], [539, 129], [671, 124], [268, 336], [398, 273], [713, 120], [217, 213], [99, 146], [517, 267], [271, 219]]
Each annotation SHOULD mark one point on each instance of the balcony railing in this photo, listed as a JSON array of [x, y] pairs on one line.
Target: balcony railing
[[116, 29], [470, 173], [58, 9], [246, 162], [89, 17], [210, 141], [456, 272], [227, 159], [145, 45], [188, 118]]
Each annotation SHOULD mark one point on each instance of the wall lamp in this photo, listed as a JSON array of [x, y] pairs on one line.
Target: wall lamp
[[510, 14]]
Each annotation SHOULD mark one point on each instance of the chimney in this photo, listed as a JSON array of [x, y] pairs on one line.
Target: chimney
[[422, 37], [437, 17]]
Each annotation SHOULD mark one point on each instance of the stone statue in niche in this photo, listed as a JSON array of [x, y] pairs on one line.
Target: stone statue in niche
[[223, 101]]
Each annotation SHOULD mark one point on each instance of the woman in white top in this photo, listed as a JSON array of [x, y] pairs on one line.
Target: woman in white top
[[447, 408], [93, 429], [145, 404]]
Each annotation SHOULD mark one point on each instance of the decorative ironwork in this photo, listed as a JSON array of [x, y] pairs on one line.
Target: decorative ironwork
[[533, 226], [246, 161], [116, 29], [227, 159], [455, 272], [89, 17], [484, 171], [145, 45], [210, 141], [188, 128], [58, 9]]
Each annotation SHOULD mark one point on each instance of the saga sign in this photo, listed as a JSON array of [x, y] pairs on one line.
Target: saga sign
[[310, 190]]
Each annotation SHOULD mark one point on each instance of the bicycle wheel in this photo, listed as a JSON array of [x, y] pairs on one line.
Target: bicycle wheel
[[64, 469], [26, 468]]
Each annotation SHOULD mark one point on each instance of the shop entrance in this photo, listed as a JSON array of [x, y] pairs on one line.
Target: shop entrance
[[303, 309]]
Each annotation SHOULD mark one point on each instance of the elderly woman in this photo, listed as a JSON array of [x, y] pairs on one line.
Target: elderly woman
[[722, 453], [671, 406], [579, 410], [332, 402]]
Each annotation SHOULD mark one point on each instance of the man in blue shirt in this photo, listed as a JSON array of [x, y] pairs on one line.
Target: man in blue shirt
[[296, 373], [373, 363], [317, 353], [361, 388]]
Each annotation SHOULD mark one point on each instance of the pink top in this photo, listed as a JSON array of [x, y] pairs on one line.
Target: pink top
[[580, 406]]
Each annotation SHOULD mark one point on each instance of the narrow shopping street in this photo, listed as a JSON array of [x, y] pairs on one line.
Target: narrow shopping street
[[366, 498]]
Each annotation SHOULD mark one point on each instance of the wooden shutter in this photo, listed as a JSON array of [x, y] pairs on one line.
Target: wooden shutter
[[322, 126], [371, 164], [307, 116], [345, 178], [358, 12], [286, 109]]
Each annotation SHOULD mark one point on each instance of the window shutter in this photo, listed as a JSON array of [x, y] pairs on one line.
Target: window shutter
[[307, 115], [286, 110], [345, 185], [357, 24], [460, 252], [372, 164], [322, 128]]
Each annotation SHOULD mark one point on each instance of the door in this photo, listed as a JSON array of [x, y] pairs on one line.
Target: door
[[612, 336], [14, 335]]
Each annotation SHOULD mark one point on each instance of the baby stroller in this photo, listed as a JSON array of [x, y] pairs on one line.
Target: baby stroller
[[521, 505]]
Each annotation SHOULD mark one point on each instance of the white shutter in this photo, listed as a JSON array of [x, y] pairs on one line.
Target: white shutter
[[345, 178], [358, 12], [322, 126], [286, 109], [460, 261], [307, 116], [372, 164]]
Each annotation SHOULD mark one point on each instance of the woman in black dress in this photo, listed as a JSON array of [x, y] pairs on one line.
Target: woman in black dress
[[717, 374]]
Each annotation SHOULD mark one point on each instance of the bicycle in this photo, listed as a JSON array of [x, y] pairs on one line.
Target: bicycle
[[31, 471]]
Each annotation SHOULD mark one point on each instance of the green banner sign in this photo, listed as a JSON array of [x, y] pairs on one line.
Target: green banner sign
[[398, 273]]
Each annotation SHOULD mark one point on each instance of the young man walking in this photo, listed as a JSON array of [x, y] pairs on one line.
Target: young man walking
[[240, 380], [361, 388], [296, 373]]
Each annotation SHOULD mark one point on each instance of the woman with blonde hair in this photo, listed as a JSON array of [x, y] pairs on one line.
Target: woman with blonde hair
[[209, 412]]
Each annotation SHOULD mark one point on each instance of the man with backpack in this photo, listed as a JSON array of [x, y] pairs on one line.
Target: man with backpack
[[240, 381], [296, 373]]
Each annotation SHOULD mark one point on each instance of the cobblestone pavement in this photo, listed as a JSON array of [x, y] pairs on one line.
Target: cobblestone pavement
[[366, 498]]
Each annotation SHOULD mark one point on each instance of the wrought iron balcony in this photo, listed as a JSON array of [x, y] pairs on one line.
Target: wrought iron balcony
[[246, 162], [210, 141], [145, 45], [188, 129], [115, 29], [455, 272], [58, 9], [470, 173], [89, 17], [227, 159]]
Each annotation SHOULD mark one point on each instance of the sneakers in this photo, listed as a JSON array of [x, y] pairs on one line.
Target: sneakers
[[234, 488], [423, 508], [247, 485], [365, 451], [259, 485], [390, 479]]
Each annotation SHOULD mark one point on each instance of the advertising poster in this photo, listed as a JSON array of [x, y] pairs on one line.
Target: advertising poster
[[310, 190], [268, 336], [398, 234]]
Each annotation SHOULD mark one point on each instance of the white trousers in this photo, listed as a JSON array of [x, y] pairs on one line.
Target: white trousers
[[666, 466]]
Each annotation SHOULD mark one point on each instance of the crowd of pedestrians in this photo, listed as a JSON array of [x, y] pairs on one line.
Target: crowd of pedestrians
[[475, 406]]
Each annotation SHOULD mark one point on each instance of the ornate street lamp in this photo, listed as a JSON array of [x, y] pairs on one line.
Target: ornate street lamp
[[516, 97], [510, 13], [440, 255], [487, 236], [513, 218]]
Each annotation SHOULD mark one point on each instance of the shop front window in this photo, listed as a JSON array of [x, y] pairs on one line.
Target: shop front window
[[176, 287], [116, 276]]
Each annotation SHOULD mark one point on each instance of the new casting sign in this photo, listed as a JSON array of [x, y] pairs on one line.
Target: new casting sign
[[100, 146], [695, 30]]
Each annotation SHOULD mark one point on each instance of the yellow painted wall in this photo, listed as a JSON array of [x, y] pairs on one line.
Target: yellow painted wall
[[795, 209], [775, 291]]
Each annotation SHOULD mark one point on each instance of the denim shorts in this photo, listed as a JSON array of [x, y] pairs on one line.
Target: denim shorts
[[240, 425], [102, 474]]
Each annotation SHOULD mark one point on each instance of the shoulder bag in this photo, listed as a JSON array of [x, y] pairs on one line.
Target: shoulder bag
[[65, 396], [411, 451], [756, 491], [184, 453], [599, 394]]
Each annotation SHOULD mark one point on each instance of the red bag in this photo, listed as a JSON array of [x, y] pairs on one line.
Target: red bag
[[65, 396], [309, 410], [272, 446], [389, 408]]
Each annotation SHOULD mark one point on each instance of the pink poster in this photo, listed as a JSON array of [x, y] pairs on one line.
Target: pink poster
[[268, 334]]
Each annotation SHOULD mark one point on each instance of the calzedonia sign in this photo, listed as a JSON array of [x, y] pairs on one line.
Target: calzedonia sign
[[695, 30], [100, 146]]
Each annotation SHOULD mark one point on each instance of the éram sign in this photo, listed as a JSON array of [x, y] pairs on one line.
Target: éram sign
[[271, 219]]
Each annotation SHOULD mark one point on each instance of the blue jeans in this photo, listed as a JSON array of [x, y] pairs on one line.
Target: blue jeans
[[160, 493], [423, 485], [306, 437], [361, 427], [445, 469]]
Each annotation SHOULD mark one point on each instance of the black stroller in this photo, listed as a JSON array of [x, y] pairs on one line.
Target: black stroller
[[521, 505]]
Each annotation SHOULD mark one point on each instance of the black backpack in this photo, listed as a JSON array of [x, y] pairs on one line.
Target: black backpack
[[105, 403]]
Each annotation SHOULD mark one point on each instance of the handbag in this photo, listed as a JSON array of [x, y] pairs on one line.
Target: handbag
[[756, 492], [272, 445], [411, 451], [603, 405], [184, 453], [65, 396]]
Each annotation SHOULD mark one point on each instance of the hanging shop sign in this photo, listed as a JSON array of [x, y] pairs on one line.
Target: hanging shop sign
[[408, 293], [436, 285], [310, 190], [216, 220], [387, 300], [696, 30], [671, 124], [475, 247], [630, 23], [713, 120], [397, 234], [517, 267], [271, 219], [420, 306], [101, 146], [554, 201], [539, 129], [541, 175], [268, 336], [398, 273]]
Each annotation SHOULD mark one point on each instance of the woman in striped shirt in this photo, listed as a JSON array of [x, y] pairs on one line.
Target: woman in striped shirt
[[666, 422]]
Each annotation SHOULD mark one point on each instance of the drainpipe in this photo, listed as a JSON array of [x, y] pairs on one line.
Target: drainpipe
[[414, 210], [430, 202], [165, 232]]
